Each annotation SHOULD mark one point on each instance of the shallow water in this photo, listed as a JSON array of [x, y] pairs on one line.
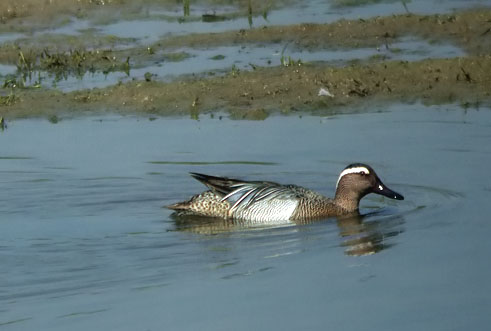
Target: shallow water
[[154, 23], [203, 61], [85, 243]]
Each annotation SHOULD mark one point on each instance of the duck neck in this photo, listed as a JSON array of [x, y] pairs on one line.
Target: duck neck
[[347, 200]]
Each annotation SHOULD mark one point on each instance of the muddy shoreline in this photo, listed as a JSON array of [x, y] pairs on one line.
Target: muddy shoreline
[[255, 94], [287, 89], [468, 29]]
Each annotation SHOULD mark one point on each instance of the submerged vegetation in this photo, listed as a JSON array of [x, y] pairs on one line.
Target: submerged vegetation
[[32, 68], [289, 85], [7, 100]]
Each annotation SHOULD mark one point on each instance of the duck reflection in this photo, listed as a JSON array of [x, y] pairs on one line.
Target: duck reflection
[[368, 237], [360, 234]]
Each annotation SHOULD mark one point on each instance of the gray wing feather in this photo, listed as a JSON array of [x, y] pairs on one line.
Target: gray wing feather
[[246, 194]]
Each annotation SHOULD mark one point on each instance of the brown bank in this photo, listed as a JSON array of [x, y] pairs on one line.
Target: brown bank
[[255, 94]]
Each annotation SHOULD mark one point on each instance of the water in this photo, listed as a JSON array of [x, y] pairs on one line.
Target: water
[[201, 61], [154, 23], [85, 243]]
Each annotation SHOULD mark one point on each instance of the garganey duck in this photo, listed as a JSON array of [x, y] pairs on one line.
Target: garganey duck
[[264, 202]]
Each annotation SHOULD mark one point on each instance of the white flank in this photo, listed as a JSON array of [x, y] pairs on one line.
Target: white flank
[[380, 188], [355, 170], [273, 211]]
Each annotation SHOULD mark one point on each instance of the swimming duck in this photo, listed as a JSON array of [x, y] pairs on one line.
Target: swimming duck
[[264, 202]]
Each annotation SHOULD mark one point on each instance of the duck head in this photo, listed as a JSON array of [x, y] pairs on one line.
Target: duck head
[[358, 180]]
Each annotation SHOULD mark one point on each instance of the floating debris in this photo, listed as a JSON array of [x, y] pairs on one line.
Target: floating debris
[[325, 92], [210, 18]]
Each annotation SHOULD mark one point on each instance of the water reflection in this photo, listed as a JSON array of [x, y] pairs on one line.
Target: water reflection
[[362, 238], [359, 234]]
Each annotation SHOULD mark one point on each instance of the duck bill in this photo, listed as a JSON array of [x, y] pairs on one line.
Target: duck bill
[[385, 191]]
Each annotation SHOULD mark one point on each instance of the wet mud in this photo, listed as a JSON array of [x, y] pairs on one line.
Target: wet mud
[[469, 29], [255, 94], [294, 86]]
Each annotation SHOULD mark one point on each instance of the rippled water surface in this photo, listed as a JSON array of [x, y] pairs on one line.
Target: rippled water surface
[[85, 243]]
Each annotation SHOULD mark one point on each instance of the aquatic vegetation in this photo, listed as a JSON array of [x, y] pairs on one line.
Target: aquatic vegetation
[[218, 57], [186, 8], [7, 100], [11, 82], [53, 119], [82, 61], [14, 82], [289, 62], [276, 89], [249, 13], [234, 71], [475, 104], [148, 76], [288, 86], [24, 63], [61, 65]]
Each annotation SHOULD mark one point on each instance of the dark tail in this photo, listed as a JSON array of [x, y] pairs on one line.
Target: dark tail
[[179, 206], [221, 185]]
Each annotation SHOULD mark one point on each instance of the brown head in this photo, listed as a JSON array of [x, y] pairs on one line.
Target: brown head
[[356, 181]]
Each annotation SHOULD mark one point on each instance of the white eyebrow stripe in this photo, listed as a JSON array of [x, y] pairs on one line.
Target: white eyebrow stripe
[[355, 170]]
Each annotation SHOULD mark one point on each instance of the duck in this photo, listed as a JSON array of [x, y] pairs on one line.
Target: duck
[[267, 202]]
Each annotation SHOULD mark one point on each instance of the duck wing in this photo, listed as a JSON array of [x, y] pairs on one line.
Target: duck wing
[[243, 194], [219, 185]]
